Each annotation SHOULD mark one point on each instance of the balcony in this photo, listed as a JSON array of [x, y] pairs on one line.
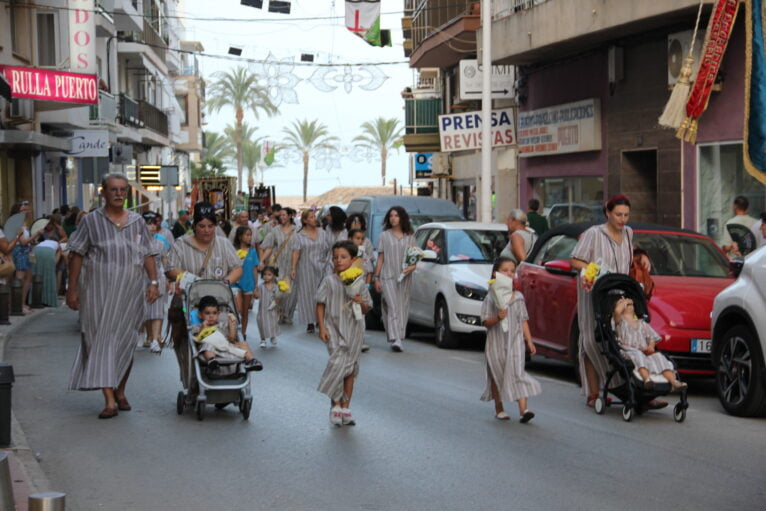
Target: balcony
[[532, 31], [443, 32], [153, 118], [126, 16], [105, 113], [129, 112], [421, 120]]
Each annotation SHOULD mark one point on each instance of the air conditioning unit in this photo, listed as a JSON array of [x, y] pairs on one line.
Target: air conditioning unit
[[678, 49], [440, 164], [21, 109]]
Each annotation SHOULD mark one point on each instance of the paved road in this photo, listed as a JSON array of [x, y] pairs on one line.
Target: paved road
[[424, 440]]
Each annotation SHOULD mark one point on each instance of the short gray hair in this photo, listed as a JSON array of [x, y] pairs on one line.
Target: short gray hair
[[114, 175], [517, 214]]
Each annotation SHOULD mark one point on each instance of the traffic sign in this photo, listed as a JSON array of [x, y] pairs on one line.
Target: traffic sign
[[471, 78], [423, 168]]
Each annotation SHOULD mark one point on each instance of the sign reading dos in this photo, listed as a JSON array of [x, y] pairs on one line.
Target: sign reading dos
[[568, 128], [462, 132]]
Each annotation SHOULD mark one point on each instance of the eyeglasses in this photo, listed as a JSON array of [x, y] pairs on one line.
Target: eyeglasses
[[25, 203]]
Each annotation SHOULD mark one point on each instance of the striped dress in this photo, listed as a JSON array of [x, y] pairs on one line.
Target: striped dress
[[268, 320], [184, 256], [111, 297], [595, 245], [158, 309], [635, 339], [395, 302], [312, 266], [506, 353], [332, 238], [346, 335], [275, 240]]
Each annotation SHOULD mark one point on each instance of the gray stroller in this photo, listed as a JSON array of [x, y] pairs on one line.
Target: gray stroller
[[228, 382]]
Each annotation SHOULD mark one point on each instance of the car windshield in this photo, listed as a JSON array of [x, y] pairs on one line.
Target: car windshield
[[418, 220], [474, 246], [682, 255]]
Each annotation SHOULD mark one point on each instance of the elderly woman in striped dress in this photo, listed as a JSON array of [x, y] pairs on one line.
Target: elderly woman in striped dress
[[309, 264], [507, 380], [342, 332], [396, 238], [276, 251], [611, 246]]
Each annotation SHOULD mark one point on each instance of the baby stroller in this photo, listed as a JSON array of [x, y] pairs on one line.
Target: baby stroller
[[622, 379], [226, 384]]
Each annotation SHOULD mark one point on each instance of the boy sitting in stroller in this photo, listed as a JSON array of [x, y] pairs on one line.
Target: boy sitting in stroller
[[637, 341], [214, 345]]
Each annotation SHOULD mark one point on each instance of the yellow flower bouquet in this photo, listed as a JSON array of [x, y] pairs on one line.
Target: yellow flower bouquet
[[353, 279], [350, 275], [283, 289], [242, 253], [283, 286], [592, 272]]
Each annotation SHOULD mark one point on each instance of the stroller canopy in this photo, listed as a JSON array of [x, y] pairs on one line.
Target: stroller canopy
[[610, 288]]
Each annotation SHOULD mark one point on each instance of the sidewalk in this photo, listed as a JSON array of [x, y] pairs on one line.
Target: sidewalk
[[26, 473]]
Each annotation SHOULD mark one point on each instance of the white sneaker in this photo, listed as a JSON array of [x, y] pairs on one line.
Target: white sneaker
[[273, 341], [365, 348], [336, 417], [347, 418], [397, 347], [155, 347], [263, 343]]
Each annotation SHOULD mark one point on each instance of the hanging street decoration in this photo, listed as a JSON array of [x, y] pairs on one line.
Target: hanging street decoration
[[278, 77], [364, 77], [363, 19]]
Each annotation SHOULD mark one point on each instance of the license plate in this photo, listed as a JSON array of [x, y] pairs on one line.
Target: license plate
[[701, 345]]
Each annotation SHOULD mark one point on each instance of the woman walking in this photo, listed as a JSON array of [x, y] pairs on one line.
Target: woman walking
[[156, 311], [276, 251], [394, 241], [20, 254], [520, 240], [309, 264]]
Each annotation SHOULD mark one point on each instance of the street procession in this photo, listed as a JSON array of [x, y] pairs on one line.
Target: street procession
[[261, 254]]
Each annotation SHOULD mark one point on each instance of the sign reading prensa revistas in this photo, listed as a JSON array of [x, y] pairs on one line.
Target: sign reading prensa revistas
[[560, 129], [50, 85], [462, 132]]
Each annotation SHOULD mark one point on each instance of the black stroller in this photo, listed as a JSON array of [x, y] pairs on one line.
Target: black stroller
[[622, 378]]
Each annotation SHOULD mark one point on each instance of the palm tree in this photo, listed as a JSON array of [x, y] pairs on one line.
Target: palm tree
[[240, 90], [380, 135], [305, 138], [251, 157], [239, 138], [217, 152]]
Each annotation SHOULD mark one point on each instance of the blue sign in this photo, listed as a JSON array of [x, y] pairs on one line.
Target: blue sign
[[423, 165]]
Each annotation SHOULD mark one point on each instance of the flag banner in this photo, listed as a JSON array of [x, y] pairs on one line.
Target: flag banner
[[754, 134], [717, 38], [363, 19]]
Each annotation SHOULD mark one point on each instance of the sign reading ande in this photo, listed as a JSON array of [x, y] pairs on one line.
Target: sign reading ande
[[462, 132], [560, 129], [50, 85]]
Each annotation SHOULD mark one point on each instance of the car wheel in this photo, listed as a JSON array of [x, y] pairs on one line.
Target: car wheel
[[445, 338], [739, 373]]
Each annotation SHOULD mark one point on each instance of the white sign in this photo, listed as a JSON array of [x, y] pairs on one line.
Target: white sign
[[471, 78], [560, 129], [462, 132], [82, 36], [89, 144]]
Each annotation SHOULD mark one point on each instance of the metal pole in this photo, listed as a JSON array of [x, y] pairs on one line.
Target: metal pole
[[49, 501], [16, 305], [6, 486], [485, 188], [5, 305]]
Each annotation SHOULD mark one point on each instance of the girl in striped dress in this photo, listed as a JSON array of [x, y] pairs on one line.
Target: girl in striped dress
[[507, 380], [268, 316], [155, 312], [395, 239], [342, 333], [309, 264]]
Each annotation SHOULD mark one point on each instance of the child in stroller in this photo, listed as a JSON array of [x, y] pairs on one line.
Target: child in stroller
[[216, 346], [637, 341]]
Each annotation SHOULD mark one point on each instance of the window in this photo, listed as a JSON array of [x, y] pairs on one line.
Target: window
[[557, 248], [568, 190], [475, 246], [183, 102], [20, 29], [46, 39], [721, 178]]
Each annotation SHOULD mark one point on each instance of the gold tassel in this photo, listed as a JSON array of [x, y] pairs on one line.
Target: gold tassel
[[691, 133], [682, 129], [675, 109]]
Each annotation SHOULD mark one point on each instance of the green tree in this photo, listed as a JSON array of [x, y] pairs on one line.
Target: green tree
[[380, 135], [239, 89], [306, 137], [217, 153]]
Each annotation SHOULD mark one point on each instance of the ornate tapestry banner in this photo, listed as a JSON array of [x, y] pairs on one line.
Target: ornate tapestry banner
[[754, 134]]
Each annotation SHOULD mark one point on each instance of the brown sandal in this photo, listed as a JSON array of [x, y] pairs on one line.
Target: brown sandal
[[123, 405], [108, 413]]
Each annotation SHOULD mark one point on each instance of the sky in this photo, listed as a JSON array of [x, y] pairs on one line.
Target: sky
[[285, 37]]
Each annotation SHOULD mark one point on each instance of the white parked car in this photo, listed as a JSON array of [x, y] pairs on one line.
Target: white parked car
[[450, 283], [739, 340]]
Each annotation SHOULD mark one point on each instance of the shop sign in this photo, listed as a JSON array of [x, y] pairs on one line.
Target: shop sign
[[471, 77], [560, 129], [462, 132], [50, 85], [423, 168], [89, 144], [82, 36]]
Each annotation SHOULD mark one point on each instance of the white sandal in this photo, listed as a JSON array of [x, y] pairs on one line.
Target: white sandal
[[155, 347], [502, 416]]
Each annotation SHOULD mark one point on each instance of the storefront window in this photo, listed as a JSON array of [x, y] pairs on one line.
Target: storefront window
[[570, 199], [722, 177]]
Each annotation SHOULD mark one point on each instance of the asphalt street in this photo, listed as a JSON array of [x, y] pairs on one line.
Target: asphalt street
[[423, 440]]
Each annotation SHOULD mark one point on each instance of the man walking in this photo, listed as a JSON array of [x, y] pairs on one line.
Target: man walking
[[241, 220], [117, 248], [739, 207], [534, 220], [182, 225]]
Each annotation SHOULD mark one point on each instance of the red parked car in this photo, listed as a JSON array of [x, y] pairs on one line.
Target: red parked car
[[688, 268]]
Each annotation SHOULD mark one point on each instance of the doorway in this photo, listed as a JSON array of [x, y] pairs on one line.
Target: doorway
[[638, 180]]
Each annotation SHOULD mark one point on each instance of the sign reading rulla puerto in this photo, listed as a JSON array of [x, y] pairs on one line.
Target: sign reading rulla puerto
[[50, 85]]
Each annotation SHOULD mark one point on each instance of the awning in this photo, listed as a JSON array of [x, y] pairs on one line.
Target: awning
[[33, 140], [5, 88]]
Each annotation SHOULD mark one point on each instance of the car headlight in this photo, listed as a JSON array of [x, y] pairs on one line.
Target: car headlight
[[470, 292]]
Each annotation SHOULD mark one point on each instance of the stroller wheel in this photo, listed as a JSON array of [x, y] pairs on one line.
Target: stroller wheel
[[599, 406], [245, 407], [679, 413], [221, 406], [200, 410], [627, 413], [180, 402]]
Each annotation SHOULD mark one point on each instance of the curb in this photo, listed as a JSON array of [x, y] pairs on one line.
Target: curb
[[29, 478]]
